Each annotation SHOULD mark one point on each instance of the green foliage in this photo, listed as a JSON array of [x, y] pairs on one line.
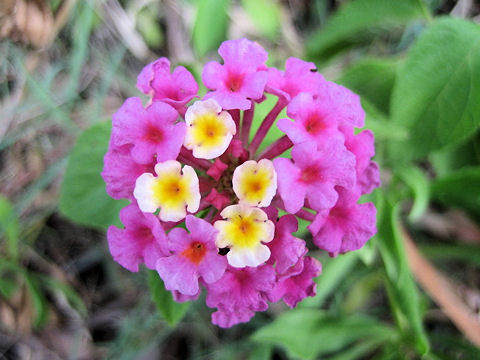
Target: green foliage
[[334, 272], [460, 188], [172, 311], [210, 26], [82, 197], [373, 80], [149, 27], [436, 95], [9, 228], [420, 186], [265, 14], [356, 18], [402, 291], [309, 333]]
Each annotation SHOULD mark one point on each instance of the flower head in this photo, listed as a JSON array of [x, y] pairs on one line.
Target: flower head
[[191, 162], [172, 190]]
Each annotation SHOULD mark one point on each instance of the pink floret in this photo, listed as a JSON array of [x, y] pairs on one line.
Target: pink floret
[[151, 131], [240, 293], [362, 146], [315, 120], [314, 175], [175, 89], [120, 171], [297, 287], [299, 76], [344, 103], [285, 248], [241, 78], [194, 256], [141, 241], [345, 227]]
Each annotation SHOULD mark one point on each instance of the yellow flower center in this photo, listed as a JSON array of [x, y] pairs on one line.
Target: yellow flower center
[[171, 190], [255, 183], [208, 131], [244, 232]]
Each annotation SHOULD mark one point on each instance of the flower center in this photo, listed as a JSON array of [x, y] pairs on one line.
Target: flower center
[[170, 189], [234, 82], [310, 174], [153, 134], [314, 124], [195, 252]]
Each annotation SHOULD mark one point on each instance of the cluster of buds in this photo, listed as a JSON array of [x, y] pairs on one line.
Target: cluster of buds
[[186, 159]]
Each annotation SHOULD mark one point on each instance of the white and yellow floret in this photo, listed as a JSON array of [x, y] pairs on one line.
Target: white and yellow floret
[[244, 230], [255, 183], [209, 129], [171, 190]]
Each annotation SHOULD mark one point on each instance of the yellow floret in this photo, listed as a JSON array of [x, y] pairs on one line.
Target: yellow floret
[[255, 183]]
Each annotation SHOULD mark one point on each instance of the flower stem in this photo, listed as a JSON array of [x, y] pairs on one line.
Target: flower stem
[[246, 124], [305, 215], [187, 158], [235, 113], [277, 148], [266, 125]]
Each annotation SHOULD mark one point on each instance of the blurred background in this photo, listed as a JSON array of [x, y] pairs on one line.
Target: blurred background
[[412, 292]]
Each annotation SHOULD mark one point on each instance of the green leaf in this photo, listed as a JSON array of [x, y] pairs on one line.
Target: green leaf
[[460, 188], [172, 311], [149, 26], [9, 227], [265, 14], [355, 18], [448, 160], [308, 333], [383, 129], [373, 80], [437, 92], [401, 288], [83, 198], [70, 294], [418, 182], [210, 26], [38, 300], [333, 272]]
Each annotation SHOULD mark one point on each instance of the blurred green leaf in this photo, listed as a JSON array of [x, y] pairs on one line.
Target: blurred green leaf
[[210, 26], [172, 311], [469, 254], [9, 282], [308, 333], [149, 26], [401, 288], [460, 188], [448, 160], [373, 80], [383, 129], [9, 227], [84, 16], [70, 294], [38, 300], [355, 18], [418, 182], [333, 272], [265, 14], [436, 94], [83, 198]]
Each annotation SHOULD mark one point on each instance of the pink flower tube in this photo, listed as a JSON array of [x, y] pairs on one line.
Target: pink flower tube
[[187, 161]]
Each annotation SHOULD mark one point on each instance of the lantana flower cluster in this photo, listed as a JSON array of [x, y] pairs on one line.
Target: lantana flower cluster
[[205, 202]]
